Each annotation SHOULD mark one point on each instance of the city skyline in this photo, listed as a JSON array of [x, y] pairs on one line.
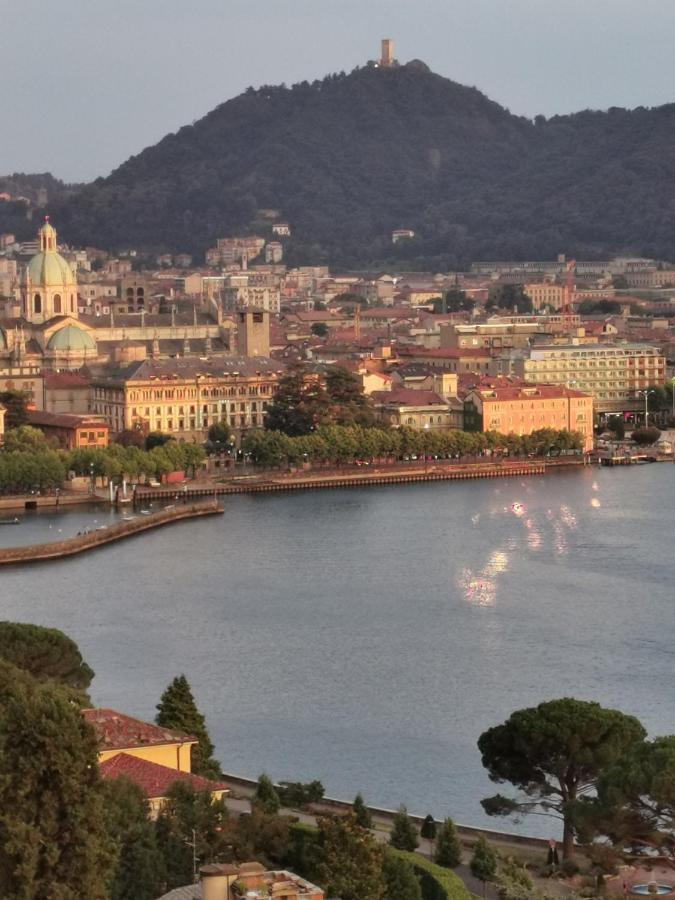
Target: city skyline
[[126, 81]]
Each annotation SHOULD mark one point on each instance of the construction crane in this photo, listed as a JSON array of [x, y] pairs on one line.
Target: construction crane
[[357, 323], [568, 292]]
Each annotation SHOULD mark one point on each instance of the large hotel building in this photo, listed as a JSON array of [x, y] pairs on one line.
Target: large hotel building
[[613, 373]]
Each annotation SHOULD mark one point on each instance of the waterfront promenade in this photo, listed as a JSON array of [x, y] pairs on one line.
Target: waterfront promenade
[[315, 479]]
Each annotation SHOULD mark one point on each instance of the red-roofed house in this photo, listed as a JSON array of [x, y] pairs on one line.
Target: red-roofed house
[[71, 431], [149, 755], [155, 780]]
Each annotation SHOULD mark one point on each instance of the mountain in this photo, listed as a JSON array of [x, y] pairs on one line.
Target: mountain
[[347, 159]]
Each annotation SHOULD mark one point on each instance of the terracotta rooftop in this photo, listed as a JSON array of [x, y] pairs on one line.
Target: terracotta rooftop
[[443, 352], [115, 731], [154, 780], [66, 420], [55, 380]]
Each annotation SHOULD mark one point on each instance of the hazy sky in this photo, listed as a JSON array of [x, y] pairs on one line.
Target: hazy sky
[[87, 83]]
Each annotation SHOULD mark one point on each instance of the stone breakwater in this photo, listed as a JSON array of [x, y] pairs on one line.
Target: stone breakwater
[[93, 539]]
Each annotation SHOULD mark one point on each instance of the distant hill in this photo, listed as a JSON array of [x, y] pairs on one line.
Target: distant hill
[[19, 216], [347, 159]]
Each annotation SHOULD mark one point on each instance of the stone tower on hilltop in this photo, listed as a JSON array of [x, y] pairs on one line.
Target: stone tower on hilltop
[[387, 57]]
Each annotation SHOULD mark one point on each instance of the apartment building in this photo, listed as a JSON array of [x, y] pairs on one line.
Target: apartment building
[[183, 397]]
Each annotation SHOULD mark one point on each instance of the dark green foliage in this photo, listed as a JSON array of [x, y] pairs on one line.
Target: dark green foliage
[[350, 860], [436, 882], [298, 795], [220, 433], [320, 329], [646, 436], [266, 797], [428, 829], [26, 439], [177, 710], [140, 870], [400, 882], [603, 307], [157, 439], [636, 799], [21, 472], [302, 855], [448, 850], [46, 653], [554, 754], [511, 297], [483, 861], [403, 834], [299, 404], [617, 426], [53, 841], [15, 404], [259, 835], [361, 812], [472, 180], [187, 811], [455, 300]]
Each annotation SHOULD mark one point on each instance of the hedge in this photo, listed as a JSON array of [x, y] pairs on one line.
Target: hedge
[[436, 882]]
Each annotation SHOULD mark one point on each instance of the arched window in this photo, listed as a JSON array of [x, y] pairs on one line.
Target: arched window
[[57, 304], [72, 303], [130, 293], [37, 303], [140, 292]]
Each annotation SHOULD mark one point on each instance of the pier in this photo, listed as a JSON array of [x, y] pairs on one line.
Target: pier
[[81, 543]]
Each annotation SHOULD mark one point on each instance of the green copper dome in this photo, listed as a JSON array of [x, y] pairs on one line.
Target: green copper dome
[[71, 338], [49, 269]]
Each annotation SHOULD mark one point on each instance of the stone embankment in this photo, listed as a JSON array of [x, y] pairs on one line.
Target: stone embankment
[[245, 787], [105, 535], [377, 475]]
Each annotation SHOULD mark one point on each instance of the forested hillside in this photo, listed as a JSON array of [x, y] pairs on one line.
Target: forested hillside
[[347, 159]]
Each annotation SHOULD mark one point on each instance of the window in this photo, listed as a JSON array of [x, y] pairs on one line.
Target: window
[[37, 303], [57, 304]]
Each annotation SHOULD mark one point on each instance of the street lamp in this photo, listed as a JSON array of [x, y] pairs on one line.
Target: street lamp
[[91, 476], [646, 395], [426, 461]]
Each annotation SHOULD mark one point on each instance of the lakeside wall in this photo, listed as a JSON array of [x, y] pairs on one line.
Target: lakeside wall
[[81, 543], [376, 476], [467, 832]]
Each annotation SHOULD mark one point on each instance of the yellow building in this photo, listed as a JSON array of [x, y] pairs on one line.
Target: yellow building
[[185, 396], [545, 295], [152, 757]]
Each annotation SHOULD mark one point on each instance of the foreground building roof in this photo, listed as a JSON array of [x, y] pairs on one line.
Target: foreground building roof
[[117, 731], [153, 779]]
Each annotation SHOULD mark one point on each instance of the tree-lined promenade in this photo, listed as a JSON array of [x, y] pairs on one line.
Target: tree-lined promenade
[[349, 443]]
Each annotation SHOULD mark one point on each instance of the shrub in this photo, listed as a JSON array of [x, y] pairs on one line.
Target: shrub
[[436, 882]]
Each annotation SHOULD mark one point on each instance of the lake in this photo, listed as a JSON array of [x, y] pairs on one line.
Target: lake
[[368, 636]]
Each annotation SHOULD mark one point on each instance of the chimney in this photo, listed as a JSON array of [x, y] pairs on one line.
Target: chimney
[[216, 880]]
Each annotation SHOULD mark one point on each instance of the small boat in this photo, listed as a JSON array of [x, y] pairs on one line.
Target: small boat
[[14, 521], [146, 512]]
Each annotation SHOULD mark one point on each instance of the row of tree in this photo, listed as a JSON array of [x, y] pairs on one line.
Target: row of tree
[[28, 461], [341, 444]]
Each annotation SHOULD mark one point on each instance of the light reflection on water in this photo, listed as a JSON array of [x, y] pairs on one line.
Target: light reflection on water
[[367, 637]]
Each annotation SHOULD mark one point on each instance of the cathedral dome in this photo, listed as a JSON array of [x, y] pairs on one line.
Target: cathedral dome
[[48, 268], [71, 338]]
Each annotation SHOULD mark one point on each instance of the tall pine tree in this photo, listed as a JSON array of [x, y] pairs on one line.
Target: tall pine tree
[[177, 710], [53, 839]]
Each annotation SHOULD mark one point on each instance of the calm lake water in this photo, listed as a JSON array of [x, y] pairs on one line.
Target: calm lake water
[[367, 637]]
